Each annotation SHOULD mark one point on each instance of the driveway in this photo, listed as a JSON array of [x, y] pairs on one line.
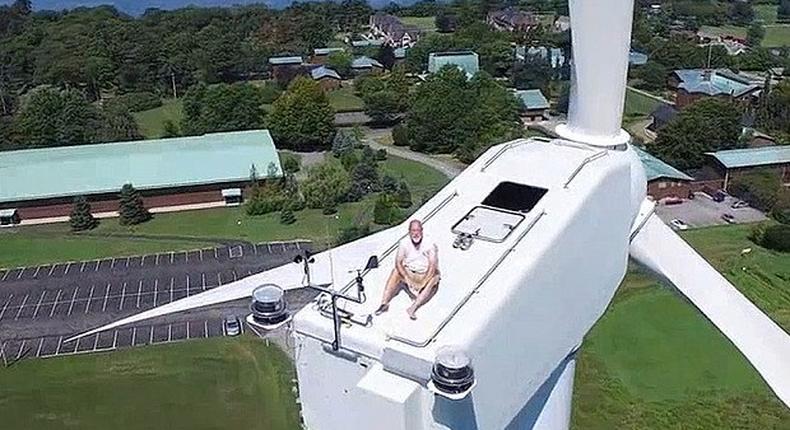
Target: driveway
[[448, 168], [703, 212]]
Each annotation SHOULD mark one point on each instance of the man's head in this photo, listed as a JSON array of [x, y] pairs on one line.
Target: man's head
[[415, 231]]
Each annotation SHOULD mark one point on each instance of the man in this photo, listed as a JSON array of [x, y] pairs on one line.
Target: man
[[416, 268]]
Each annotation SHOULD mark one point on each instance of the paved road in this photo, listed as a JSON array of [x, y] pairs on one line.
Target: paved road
[[42, 306], [449, 169]]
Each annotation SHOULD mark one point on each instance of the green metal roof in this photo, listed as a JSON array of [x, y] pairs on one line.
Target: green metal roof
[[147, 164], [464, 60], [655, 168], [750, 157], [284, 61], [532, 99]]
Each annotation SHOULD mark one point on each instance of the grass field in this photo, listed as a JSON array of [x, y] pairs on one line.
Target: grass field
[[653, 362], [637, 106], [344, 100], [194, 229], [151, 122], [776, 36], [425, 23], [765, 12], [236, 383]]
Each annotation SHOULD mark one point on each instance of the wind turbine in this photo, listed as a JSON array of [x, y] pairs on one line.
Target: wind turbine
[[553, 223]]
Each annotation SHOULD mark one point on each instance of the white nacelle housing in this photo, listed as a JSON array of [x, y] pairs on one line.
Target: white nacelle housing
[[498, 300]]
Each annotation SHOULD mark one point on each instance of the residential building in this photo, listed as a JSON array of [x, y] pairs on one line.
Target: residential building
[[362, 65], [534, 105], [736, 162], [561, 24], [285, 68], [467, 61], [512, 20], [321, 54], [663, 180], [191, 171], [693, 84], [392, 31], [327, 78], [554, 56]]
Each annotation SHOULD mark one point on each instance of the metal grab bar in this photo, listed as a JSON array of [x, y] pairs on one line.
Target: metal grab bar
[[502, 151], [584, 163], [479, 284]]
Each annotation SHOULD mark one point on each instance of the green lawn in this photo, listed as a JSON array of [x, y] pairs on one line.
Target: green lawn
[[43, 244], [151, 122], [765, 12], [344, 99], [425, 23], [654, 362], [776, 36], [216, 383], [638, 105]]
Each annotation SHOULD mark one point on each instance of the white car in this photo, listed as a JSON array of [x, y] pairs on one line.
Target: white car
[[232, 326], [678, 224], [739, 204]]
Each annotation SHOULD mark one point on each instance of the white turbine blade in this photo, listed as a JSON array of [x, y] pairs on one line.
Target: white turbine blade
[[758, 338], [286, 276]]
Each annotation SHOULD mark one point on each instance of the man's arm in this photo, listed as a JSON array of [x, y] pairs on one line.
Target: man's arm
[[399, 264]]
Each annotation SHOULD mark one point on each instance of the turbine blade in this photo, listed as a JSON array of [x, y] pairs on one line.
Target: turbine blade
[[760, 340]]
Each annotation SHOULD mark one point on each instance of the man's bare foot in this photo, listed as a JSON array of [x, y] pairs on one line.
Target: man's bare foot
[[411, 313], [383, 308]]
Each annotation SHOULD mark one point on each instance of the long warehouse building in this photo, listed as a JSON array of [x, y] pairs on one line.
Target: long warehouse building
[[213, 168]]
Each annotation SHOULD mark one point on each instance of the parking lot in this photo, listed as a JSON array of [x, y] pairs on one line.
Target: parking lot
[[42, 306], [702, 211]]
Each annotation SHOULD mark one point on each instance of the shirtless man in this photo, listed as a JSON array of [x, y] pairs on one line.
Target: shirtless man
[[416, 268]]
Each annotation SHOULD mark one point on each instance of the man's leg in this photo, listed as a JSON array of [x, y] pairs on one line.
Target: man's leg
[[390, 291], [426, 294]]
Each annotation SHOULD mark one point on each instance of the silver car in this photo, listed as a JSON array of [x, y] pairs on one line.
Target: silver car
[[232, 325]]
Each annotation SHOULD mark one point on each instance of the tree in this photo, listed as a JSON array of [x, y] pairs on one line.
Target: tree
[[383, 107], [291, 163], [117, 124], [773, 112], [445, 23], [131, 208], [707, 125], [343, 142], [403, 197], [340, 62], [741, 12], [222, 107], [755, 34], [364, 180], [325, 185], [302, 118], [532, 73], [170, 129], [51, 117], [385, 211], [400, 135], [386, 56], [81, 218], [653, 76], [783, 10], [287, 216]]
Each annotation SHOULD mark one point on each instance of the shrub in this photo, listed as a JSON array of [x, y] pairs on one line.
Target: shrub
[[385, 211], [760, 189], [781, 210], [344, 142], [287, 216], [291, 163], [776, 237], [136, 102], [403, 196], [131, 208], [265, 199], [400, 135], [381, 155], [325, 185], [389, 184]]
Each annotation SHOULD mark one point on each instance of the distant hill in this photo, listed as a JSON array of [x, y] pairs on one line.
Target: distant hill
[[137, 7]]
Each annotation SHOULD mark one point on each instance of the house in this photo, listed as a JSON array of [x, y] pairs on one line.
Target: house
[[392, 31], [362, 65], [663, 180], [555, 56], [467, 61], [210, 170], [561, 24], [534, 105], [661, 116], [512, 20], [321, 54], [285, 68], [691, 85], [327, 78], [737, 162]]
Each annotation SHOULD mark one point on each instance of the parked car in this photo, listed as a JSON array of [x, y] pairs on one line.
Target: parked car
[[728, 218], [678, 224], [232, 325], [719, 196], [739, 204]]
